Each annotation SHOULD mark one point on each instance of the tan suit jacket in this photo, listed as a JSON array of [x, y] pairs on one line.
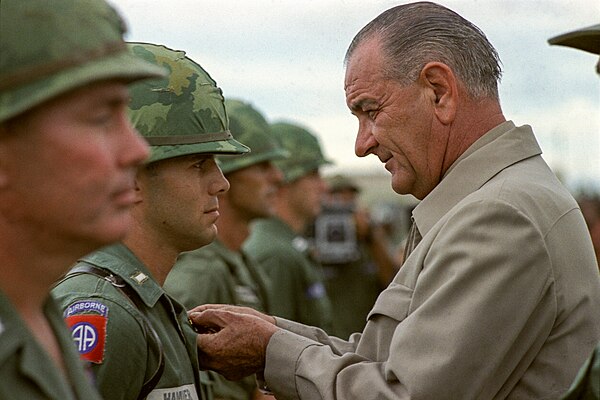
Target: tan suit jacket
[[500, 299]]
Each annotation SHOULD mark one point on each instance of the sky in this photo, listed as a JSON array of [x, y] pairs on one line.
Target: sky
[[285, 57]]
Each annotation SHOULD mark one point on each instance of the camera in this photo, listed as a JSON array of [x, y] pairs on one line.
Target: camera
[[335, 239]]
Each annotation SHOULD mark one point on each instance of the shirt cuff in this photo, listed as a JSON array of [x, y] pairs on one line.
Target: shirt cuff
[[283, 352]]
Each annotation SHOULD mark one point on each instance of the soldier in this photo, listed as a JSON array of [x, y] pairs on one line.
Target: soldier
[[278, 243], [355, 260], [587, 383], [221, 272], [136, 337], [68, 156]]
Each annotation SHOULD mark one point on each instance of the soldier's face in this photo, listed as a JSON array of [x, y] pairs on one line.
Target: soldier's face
[[68, 167], [306, 195], [179, 206], [253, 190]]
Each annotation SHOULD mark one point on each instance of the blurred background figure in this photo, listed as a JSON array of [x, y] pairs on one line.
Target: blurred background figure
[[279, 244], [586, 39], [68, 157], [221, 272], [587, 383], [354, 252]]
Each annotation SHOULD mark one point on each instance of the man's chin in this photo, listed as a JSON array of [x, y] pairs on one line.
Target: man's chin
[[399, 187], [204, 239]]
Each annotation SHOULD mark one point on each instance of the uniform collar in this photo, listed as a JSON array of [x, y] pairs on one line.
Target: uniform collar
[[498, 149]]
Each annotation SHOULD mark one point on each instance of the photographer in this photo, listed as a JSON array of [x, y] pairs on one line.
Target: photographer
[[354, 254]]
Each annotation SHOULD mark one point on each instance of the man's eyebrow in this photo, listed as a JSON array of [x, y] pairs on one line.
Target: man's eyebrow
[[360, 105]]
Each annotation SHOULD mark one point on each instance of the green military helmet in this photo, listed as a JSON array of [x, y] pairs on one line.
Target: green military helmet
[[305, 151], [48, 48], [587, 39], [339, 183], [249, 127], [183, 113]]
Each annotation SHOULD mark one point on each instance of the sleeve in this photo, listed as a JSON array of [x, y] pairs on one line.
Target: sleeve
[[481, 309], [107, 335], [338, 346], [198, 280]]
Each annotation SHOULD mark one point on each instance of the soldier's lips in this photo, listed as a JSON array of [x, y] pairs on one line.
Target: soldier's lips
[[125, 197], [213, 213]]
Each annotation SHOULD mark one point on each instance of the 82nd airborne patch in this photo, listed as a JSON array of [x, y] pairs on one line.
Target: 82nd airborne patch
[[87, 320]]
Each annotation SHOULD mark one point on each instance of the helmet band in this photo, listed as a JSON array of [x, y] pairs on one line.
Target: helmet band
[[188, 139]]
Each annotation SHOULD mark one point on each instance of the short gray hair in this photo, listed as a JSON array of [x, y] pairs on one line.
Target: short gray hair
[[414, 34]]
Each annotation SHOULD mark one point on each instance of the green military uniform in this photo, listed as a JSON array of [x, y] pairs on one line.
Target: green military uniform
[[587, 383], [352, 289], [27, 371], [297, 288], [297, 282], [126, 360], [214, 274]]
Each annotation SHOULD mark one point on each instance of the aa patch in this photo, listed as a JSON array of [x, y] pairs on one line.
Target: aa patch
[[87, 321]]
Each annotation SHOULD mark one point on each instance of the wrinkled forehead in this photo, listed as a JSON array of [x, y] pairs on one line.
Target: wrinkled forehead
[[364, 62]]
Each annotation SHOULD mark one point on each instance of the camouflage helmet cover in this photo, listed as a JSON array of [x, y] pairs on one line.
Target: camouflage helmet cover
[[51, 47], [587, 39], [305, 152], [249, 127], [183, 113]]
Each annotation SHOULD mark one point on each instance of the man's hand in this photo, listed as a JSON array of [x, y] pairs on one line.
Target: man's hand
[[237, 344], [235, 309]]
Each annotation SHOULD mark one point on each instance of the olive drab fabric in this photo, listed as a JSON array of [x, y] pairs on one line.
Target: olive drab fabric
[[126, 351], [297, 283], [248, 126], [27, 372], [42, 57], [305, 151], [586, 385], [162, 112], [215, 274]]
